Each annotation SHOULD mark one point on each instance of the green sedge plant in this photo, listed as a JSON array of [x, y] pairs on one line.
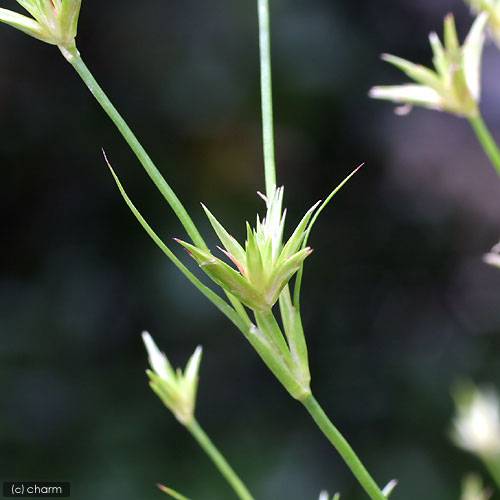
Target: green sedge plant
[[257, 287]]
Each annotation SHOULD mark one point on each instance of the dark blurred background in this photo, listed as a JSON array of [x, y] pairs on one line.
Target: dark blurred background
[[397, 302]]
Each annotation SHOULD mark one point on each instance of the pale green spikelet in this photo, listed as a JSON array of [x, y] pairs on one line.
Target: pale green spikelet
[[177, 389], [264, 265], [453, 85]]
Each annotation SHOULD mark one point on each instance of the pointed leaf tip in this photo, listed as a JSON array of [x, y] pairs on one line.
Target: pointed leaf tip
[[172, 493]]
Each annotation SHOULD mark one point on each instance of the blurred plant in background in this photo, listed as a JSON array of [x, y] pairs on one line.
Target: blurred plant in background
[[492, 9], [454, 85], [473, 489], [325, 496], [177, 391], [476, 426], [493, 257]]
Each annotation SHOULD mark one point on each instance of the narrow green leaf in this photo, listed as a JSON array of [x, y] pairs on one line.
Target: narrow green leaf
[[254, 264], [292, 263], [220, 303], [295, 241], [420, 95], [286, 268], [166, 393], [298, 282], [416, 72], [201, 256], [439, 55], [225, 276], [472, 54], [450, 34], [33, 8], [229, 242], [24, 24], [193, 366], [70, 12]]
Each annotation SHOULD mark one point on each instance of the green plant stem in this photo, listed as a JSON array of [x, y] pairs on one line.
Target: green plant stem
[[220, 462], [74, 58], [267, 96], [487, 142], [344, 449], [268, 324]]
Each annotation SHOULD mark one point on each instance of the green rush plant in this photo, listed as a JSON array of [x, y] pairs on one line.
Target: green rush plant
[[259, 290]]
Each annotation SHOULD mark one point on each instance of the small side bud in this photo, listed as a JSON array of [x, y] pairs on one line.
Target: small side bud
[[177, 389]]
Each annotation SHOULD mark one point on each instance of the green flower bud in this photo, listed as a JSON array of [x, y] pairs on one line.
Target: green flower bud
[[52, 21], [175, 388], [454, 83], [264, 266]]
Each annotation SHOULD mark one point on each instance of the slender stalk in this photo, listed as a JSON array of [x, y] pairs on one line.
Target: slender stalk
[[487, 142], [267, 96], [220, 462], [344, 449], [74, 58], [309, 401]]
